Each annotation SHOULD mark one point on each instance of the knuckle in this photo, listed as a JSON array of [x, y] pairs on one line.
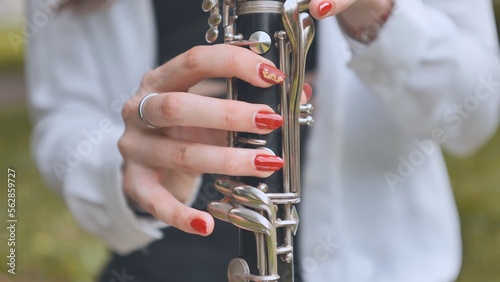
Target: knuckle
[[154, 208], [171, 107], [167, 211], [180, 157], [230, 164], [230, 114], [148, 79], [175, 215], [124, 144], [126, 110], [234, 56], [193, 57], [153, 79]]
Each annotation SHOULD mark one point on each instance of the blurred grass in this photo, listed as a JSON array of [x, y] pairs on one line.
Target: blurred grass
[[11, 53], [50, 247], [476, 183]]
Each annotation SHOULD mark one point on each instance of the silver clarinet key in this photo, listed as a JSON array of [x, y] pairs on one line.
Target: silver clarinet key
[[208, 5], [215, 19], [212, 34]]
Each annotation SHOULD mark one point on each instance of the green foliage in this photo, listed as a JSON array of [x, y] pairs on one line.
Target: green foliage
[[11, 48], [476, 182]]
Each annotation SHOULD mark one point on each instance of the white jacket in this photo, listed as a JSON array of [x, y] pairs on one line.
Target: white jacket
[[377, 202]]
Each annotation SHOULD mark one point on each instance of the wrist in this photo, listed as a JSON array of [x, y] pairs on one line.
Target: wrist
[[364, 19]]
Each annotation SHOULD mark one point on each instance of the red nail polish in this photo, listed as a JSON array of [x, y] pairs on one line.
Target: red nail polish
[[268, 120], [199, 225], [325, 8], [308, 90], [268, 163], [271, 74]]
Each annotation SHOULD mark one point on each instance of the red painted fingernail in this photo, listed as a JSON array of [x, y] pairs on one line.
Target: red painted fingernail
[[268, 120], [268, 163], [199, 225], [271, 74], [325, 8], [308, 90]]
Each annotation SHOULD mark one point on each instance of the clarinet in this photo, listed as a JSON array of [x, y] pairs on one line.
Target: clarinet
[[264, 209]]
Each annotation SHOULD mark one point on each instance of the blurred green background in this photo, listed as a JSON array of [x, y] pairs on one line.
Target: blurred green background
[[50, 247]]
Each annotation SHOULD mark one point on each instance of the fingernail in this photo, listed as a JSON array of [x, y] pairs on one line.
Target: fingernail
[[268, 120], [271, 74], [268, 163], [308, 90], [199, 225], [325, 8]]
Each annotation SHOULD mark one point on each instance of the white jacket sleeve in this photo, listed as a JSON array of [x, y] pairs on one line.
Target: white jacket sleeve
[[80, 71], [435, 67]]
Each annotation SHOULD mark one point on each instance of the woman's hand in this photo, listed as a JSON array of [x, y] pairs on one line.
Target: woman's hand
[[161, 165], [361, 19]]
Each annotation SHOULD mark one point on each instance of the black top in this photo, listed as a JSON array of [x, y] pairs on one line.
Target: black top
[[181, 25]]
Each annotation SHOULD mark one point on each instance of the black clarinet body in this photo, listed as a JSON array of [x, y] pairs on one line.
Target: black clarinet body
[[264, 209], [246, 25]]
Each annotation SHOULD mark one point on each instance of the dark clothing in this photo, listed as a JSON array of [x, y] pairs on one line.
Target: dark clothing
[[180, 256]]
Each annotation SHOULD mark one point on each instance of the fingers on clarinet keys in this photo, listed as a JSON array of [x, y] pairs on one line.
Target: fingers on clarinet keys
[[307, 120], [214, 20], [141, 111]]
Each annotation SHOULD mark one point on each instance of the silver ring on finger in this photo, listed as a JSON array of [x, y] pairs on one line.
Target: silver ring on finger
[[141, 111]]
